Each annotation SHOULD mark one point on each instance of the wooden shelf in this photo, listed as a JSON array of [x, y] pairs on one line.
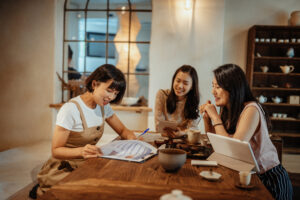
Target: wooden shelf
[[276, 89], [276, 58], [115, 107], [291, 150], [288, 119], [281, 104], [294, 135], [273, 56], [275, 74]]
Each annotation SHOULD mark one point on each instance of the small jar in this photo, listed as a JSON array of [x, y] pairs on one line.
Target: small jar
[[175, 195], [295, 18]]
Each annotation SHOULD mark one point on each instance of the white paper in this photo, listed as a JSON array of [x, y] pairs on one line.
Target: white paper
[[129, 150], [204, 163]]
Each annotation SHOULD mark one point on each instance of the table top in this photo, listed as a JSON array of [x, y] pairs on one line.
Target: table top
[[100, 178]]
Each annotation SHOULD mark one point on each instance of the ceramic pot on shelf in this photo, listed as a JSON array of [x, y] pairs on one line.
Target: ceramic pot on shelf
[[295, 18]]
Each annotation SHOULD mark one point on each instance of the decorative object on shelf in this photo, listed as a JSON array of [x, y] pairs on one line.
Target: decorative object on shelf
[[274, 39], [276, 99], [280, 40], [258, 55], [293, 40], [264, 68], [256, 39], [286, 40], [287, 68], [288, 85], [293, 99], [268, 40], [290, 52], [262, 39], [262, 99], [274, 86], [295, 18]]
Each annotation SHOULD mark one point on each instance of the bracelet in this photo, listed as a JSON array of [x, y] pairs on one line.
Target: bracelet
[[217, 124]]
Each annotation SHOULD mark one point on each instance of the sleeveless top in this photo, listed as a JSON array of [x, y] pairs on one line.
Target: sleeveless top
[[262, 146]]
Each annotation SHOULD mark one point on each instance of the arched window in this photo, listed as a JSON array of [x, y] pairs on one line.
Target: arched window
[[106, 31]]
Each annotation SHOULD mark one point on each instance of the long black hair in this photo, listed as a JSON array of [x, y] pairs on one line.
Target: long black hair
[[105, 73], [231, 78], [191, 110]]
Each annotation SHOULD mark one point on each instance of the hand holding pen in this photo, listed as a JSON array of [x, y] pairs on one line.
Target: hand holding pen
[[145, 131]]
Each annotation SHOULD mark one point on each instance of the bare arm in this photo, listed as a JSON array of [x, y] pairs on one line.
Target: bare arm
[[206, 119], [120, 128], [60, 151], [246, 125]]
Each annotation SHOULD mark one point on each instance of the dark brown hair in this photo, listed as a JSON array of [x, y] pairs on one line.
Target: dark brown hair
[[105, 73], [231, 78], [191, 110]]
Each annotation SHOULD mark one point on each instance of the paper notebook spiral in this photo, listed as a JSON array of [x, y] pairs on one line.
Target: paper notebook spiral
[[232, 153]]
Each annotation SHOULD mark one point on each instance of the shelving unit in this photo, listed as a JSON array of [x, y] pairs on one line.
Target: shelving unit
[[274, 82]]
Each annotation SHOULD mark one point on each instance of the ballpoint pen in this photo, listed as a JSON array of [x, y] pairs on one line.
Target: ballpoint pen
[[143, 132]]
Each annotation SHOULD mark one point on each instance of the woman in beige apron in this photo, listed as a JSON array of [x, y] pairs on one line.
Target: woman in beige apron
[[69, 148]]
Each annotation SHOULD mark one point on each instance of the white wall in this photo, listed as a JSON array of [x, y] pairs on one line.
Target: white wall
[[180, 37], [240, 15], [26, 71]]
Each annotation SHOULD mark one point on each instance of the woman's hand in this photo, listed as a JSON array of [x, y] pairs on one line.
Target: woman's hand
[[211, 111], [203, 112], [90, 151], [171, 133]]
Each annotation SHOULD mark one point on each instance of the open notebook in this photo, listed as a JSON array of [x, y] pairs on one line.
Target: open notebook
[[232, 153], [128, 150]]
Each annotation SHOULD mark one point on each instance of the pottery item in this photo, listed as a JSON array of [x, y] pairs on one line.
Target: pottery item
[[295, 18], [290, 52], [210, 175], [128, 101], [274, 40], [264, 68], [171, 159], [245, 177], [262, 99], [175, 195], [276, 99], [287, 68], [275, 115], [294, 99], [193, 136]]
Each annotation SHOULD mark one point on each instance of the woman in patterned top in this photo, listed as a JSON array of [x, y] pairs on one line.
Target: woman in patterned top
[[180, 103]]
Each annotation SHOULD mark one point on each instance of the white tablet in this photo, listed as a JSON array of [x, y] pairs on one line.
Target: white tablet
[[233, 148]]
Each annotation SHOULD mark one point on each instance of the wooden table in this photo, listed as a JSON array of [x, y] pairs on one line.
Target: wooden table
[[100, 178]]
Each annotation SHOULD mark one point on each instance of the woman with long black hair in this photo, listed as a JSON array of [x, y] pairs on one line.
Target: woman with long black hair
[[243, 118], [180, 103]]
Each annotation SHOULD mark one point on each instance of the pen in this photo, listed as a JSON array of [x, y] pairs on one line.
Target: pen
[[143, 132]]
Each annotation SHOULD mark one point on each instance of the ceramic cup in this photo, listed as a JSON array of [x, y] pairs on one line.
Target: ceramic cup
[[171, 159], [245, 177], [275, 115], [280, 40], [286, 40], [193, 136], [287, 68], [274, 40], [268, 40], [262, 39], [280, 115], [264, 68], [293, 39], [284, 115], [256, 39]]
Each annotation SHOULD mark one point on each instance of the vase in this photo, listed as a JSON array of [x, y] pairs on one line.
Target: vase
[[295, 18]]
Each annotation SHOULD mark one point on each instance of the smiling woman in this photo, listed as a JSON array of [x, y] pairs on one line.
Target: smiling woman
[[80, 125], [180, 104]]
